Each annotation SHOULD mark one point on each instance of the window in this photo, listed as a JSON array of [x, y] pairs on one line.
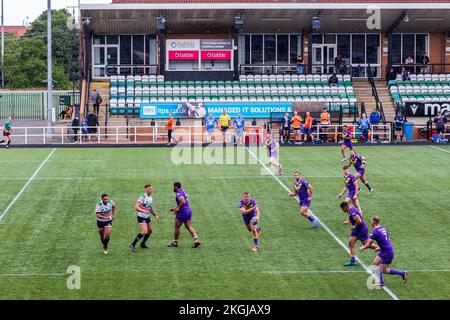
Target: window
[[269, 49], [421, 47], [343, 47], [396, 47], [358, 48], [112, 39], [257, 52], [295, 48], [125, 50], [138, 50], [282, 49], [408, 46], [99, 39], [372, 48]]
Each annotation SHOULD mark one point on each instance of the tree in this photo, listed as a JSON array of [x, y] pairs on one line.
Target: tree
[[26, 57]]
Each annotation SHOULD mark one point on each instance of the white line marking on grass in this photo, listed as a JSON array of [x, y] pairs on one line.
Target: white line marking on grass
[[339, 271], [32, 274], [339, 241], [440, 149], [26, 184], [261, 177], [62, 178]]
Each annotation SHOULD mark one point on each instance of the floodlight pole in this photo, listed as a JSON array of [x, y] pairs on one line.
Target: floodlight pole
[[3, 47], [49, 69]]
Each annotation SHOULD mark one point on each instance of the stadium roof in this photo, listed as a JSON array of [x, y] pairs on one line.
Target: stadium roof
[[262, 16]]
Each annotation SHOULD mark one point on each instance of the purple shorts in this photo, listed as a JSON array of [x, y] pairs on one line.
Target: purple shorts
[[386, 257], [184, 216], [348, 144], [304, 203], [248, 217], [351, 194], [361, 171], [362, 233]]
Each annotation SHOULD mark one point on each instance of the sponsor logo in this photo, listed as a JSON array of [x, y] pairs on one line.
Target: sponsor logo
[[432, 109], [149, 111], [414, 108]]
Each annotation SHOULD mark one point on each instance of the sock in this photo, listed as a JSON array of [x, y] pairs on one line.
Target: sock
[[136, 240], [2, 141], [9, 141], [105, 242], [145, 238], [255, 242], [397, 272], [311, 218], [196, 238], [353, 259], [379, 275], [368, 186]]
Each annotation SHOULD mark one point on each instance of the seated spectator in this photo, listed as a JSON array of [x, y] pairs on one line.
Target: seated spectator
[[67, 113], [392, 75], [405, 74], [92, 122], [375, 117], [409, 60], [364, 126], [333, 80], [424, 59]]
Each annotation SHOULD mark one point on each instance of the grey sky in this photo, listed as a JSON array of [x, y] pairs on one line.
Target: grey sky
[[17, 11]]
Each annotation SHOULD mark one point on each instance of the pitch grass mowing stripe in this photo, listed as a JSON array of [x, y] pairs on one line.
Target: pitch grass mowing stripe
[[26, 185], [385, 288], [440, 149], [276, 272]]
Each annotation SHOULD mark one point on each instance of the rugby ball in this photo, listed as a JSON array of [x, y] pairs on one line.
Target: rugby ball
[[254, 221]]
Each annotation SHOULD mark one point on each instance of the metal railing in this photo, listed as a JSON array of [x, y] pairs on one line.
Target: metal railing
[[379, 104], [126, 134], [420, 68], [131, 69], [296, 69]]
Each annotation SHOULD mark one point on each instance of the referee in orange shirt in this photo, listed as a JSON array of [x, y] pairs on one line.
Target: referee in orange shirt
[[169, 126]]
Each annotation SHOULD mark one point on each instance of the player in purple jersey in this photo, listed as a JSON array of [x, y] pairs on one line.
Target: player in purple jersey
[[359, 231], [347, 143], [273, 147], [358, 161], [384, 258], [183, 216], [250, 214], [304, 191], [350, 184]]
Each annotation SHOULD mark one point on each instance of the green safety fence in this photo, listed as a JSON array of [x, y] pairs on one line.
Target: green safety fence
[[33, 105]]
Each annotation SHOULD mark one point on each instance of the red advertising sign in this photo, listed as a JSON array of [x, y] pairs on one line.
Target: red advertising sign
[[183, 55], [216, 55]]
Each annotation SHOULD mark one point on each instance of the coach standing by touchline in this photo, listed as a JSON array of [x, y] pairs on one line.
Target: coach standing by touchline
[[169, 126]]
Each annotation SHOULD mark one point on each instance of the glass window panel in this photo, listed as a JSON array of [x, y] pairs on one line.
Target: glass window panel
[[343, 47], [396, 48], [257, 52], [295, 48], [408, 46], [421, 47], [125, 50], [153, 51], [269, 49], [247, 49], [372, 48], [99, 55], [282, 49], [329, 38], [111, 55], [358, 48], [112, 39], [317, 38], [138, 50], [99, 39], [147, 50]]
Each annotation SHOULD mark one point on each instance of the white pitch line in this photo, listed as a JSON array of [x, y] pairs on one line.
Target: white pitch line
[[31, 274], [440, 149], [59, 178], [339, 271], [339, 241], [26, 184]]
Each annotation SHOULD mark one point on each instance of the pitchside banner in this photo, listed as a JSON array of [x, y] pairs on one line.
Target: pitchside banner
[[419, 109], [200, 110]]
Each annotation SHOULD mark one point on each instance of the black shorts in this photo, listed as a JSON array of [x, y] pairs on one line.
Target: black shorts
[[440, 130], [398, 128], [224, 128], [103, 224], [143, 220], [6, 133]]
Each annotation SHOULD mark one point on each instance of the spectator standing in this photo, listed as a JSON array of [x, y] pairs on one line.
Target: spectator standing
[[210, 124], [239, 125], [399, 120], [338, 63], [92, 123], [391, 76], [297, 126], [440, 122], [286, 128], [325, 121], [169, 127], [364, 126], [333, 80], [300, 67], [96, 101], [405, 74], [424, 59], [75, 128], [307, 128], [225, 121]]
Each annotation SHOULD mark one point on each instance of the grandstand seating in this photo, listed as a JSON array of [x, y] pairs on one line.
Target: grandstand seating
[[421, 88], [127, 93]]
